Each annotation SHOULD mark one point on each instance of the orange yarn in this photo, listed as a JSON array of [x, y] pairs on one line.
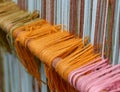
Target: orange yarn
[[47, 42], [75, 60], [56, 82], [22, 35]]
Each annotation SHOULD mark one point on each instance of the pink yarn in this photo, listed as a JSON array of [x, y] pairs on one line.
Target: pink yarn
[[89, 78], [99, 74], [105, 85], [81, 70], [90, 69], [101, 79], [96, 77], [115, 90]]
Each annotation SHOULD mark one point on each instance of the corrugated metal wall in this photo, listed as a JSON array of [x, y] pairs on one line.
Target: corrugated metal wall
[[81, 17], [76, 16]]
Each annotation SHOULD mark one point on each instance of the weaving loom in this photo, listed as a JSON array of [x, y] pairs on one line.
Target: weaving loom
[[75, 50]]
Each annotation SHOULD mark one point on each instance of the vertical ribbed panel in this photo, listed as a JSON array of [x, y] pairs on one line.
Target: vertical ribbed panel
[[30, 5], [94, 8], [87, 18], [116, 34], [81, 17]]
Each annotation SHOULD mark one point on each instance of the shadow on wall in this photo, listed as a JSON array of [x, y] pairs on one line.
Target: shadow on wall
[[1, 74], [1, 68], [3, 45]]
